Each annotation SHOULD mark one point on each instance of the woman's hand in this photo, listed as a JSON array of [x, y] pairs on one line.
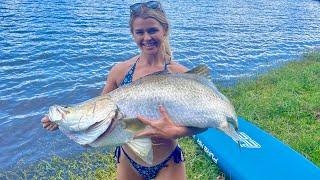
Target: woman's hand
[[49, 125], [161, 128]]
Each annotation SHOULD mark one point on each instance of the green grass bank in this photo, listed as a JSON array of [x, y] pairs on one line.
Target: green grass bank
[[284, 102]]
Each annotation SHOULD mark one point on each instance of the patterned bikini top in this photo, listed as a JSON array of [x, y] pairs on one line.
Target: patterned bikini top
[[128, 77]]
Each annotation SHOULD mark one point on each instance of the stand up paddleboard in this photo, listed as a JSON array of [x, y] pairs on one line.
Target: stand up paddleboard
[[260, 157]]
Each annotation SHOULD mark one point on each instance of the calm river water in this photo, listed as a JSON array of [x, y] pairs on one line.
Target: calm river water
[[60, 51]]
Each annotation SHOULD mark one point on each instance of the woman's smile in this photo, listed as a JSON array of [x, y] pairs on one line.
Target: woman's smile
[[149, 44]]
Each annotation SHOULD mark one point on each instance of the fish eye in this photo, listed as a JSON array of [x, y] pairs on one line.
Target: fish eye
[[66, 109], [65, 106]]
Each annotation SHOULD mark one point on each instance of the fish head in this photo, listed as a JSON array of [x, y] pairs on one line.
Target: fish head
[[82, 116], [76, 117]]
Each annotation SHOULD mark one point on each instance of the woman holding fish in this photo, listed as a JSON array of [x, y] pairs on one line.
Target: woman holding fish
[[150, 30]]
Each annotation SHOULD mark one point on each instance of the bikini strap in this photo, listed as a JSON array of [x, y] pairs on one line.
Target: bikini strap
[[117, 154], [166, 64], [134, 65], [133, 68], [178, 155], [128, 77]]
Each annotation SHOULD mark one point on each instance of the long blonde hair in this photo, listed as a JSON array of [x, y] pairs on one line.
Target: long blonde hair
[[160, 16]]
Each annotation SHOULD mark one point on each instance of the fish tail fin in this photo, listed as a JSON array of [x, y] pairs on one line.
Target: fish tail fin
[[234, 134], [233, 121], [143, 148], [237, 138]]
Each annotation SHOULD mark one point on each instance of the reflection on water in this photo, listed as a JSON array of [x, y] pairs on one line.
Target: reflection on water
[[59, 52]]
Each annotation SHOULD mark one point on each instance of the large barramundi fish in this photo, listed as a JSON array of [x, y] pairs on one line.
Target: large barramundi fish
[[191, 100]]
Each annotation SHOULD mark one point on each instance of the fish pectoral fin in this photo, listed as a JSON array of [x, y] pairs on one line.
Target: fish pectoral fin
[[143, 148], [133, 125], [202, 70]]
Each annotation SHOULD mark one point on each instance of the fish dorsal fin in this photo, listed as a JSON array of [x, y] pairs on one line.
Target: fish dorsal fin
[[163, 72], [201, 70]]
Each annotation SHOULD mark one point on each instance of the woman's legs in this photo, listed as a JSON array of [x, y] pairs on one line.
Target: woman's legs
[[176, 171], [124, 169], [173, 170]]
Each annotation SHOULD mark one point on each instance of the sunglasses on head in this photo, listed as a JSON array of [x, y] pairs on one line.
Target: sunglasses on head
[[150, 4]]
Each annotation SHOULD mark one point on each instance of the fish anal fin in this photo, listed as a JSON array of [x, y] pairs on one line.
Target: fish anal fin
[[143, 148]]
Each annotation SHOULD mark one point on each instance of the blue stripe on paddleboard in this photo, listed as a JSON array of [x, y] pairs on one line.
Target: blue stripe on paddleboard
[[261, 156]]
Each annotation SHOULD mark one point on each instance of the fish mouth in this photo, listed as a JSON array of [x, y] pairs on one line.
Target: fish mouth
[[56, 113]]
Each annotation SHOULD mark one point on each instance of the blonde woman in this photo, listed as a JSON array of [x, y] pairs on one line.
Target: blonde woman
[[150, 30]]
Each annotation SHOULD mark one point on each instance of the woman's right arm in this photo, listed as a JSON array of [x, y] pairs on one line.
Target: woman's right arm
[[112, 79]]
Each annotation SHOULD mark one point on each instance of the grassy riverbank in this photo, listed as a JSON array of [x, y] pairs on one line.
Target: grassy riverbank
[[285, 102]]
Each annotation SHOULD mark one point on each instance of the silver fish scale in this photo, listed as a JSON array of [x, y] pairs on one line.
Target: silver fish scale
[[190, 100]]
